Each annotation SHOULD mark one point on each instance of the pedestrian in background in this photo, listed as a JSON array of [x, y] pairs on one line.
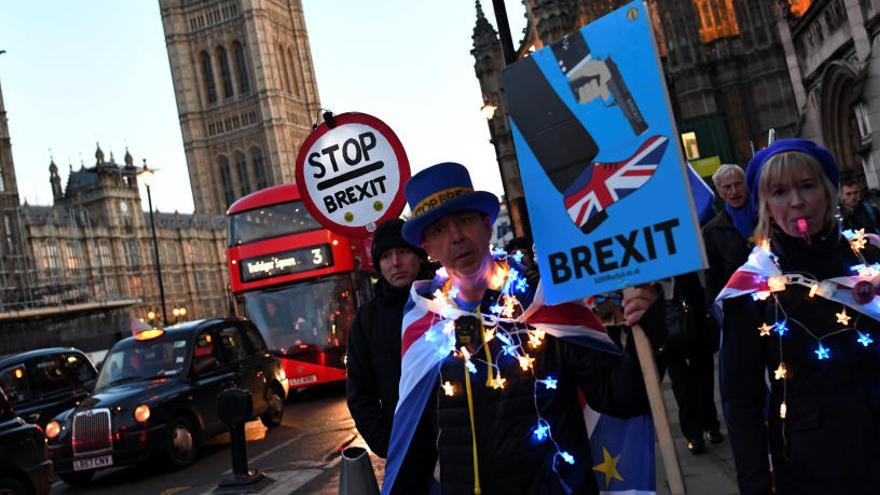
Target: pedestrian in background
[[688, 354], [855, 212], [728, 236], [812, 339], [374, 350]]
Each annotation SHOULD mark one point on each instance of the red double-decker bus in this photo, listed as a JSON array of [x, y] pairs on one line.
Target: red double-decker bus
[[300, 283]]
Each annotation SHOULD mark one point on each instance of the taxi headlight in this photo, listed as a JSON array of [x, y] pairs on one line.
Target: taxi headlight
[[53, 428], [142, 413]]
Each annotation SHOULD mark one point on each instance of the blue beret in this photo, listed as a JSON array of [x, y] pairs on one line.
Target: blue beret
[[823, 156]]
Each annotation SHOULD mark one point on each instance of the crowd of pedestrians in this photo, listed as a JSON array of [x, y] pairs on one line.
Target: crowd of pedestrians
[[786, 298]]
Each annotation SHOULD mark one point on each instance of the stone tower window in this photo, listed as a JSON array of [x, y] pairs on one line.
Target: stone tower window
[[259, 168], [2, 180], [226, 178], [292, 67], [241, 168], [225, 74], [208, 76], [7, 226], [283, 67], [244, 86]]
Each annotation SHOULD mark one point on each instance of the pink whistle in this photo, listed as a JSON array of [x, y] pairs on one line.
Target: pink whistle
[[802, 227]]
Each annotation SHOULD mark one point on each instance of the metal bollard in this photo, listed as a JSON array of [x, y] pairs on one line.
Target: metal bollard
[[235, 408], [357, 477]]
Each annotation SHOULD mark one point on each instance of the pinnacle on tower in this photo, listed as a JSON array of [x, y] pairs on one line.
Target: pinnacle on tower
[[99, 155], [129, 161], [484, 33]]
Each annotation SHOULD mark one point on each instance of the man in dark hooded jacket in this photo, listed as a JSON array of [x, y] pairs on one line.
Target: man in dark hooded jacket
[[374, 349]]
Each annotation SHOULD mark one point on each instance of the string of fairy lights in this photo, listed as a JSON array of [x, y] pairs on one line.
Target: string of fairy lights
[[517, 339], [863, 291]]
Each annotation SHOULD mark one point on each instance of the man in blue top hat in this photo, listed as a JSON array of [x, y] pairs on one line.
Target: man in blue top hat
[[508, 415]]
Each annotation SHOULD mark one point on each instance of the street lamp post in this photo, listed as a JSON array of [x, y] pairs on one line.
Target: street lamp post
[[147, 175]]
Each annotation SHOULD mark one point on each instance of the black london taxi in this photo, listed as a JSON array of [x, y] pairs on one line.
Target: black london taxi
[[24, 466], [44, 382], [156, 397]]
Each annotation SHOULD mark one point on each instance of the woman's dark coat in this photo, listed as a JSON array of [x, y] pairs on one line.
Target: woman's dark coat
[[829, 441]]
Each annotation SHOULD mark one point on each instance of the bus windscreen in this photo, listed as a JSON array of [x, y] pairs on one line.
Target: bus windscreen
[[309, 316], [270, 221]]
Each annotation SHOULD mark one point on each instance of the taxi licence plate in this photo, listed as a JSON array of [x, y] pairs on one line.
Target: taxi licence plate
[[93, 462], [301, 380]]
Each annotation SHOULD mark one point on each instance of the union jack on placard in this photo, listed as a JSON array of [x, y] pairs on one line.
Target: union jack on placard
[[604, 183]]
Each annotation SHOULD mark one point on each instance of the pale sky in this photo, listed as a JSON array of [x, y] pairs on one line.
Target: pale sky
[[77, 73]]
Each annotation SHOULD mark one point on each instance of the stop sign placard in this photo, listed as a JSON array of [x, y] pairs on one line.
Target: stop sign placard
[[351, 176]]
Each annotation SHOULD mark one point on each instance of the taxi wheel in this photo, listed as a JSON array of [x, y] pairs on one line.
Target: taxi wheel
[[181, 444], [77, 479], [11, 486], [275, 414]]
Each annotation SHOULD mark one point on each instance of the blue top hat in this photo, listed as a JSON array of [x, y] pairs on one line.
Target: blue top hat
[[440, 190]]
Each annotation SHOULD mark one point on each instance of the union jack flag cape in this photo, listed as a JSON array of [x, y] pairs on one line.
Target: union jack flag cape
[[753, 278], [631, 439]]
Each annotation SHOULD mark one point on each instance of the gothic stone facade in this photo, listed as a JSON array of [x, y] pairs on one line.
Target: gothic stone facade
[[833, 51], [246, 93], [95, 243], [13, 266]]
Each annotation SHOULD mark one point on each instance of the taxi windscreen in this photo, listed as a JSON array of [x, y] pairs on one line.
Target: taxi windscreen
[[143, 360]]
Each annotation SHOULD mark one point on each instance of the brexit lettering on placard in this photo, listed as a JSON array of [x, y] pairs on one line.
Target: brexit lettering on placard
[[351, 173], [614, 257]]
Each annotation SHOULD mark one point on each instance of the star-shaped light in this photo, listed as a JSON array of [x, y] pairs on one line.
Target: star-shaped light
[[518, 256], [448, 388], [549, 382], [498, 382], [865, 339], [608, 467], [525, 362], [857, 239], [842, 317], [496, 308], [567, 457], [765, 329], [470, 367], [776, 284], [488, 335], [780, 327], [521, 285], [454, 292], [509, 306], [536, 338], [761, 295], [822, 352], [814, 289], [439, 295], [510, 350], [783, 410], [780, 372], [540, 432], [499, 251]]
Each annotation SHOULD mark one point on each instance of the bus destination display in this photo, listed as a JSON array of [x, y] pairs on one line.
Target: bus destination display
[[287, 262]]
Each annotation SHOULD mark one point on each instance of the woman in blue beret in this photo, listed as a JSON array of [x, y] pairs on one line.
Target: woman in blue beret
[[801, 316]]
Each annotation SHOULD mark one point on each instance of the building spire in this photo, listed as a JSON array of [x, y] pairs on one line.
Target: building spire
[[99, 155], [484, 33]]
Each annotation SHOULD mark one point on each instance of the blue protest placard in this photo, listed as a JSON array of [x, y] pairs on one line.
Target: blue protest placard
[[605, 182]]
